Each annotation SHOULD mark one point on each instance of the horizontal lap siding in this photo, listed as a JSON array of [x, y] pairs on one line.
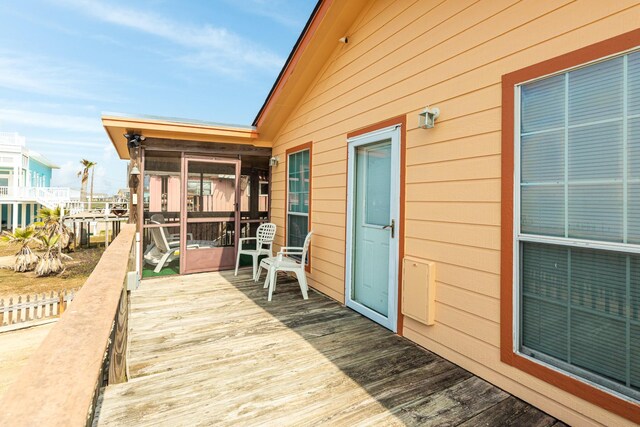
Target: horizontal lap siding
[[402, 56]]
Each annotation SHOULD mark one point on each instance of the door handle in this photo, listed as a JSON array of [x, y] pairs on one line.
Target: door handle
[[392, 226]]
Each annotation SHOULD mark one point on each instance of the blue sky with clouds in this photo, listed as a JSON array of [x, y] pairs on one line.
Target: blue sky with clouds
[[64, 62]]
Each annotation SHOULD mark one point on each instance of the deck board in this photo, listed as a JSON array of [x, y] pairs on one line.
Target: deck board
[[209, 349]]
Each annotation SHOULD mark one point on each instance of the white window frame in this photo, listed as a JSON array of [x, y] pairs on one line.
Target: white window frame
[[518, 236]]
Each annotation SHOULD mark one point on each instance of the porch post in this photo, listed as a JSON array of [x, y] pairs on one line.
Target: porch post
[[254, 200], [24, 214], [14, 214]]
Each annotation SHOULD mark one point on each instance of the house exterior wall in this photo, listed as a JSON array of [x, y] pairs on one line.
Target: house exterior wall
[[401, 57], [39, 172]]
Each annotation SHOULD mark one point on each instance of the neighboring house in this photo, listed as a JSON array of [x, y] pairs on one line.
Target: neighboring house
[[520, 206], [25, 182], [123, 194], [101, 197]]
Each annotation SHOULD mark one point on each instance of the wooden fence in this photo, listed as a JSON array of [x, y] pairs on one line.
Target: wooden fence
[[40, 307]]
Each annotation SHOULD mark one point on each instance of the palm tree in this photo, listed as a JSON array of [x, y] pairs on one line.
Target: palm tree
[[25, 258], [51, 223], [51, 261], [84, 175]]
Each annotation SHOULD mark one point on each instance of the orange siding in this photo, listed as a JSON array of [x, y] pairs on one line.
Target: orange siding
[[402, 56]]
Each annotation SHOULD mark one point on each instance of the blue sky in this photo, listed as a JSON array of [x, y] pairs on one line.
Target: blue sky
[[64, 62]]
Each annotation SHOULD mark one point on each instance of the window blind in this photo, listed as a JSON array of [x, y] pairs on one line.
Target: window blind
[[580, 180]]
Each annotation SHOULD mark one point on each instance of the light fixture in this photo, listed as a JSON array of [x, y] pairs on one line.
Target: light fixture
[[344, 39], [134, 139], [427, 118], [273, 161], [134, 171]]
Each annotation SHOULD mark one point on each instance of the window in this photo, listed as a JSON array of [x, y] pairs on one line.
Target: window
[[298, 185], [195, 187], [264, 188], [577, 222]]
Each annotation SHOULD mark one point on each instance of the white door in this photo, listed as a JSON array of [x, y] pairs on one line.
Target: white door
[[373, 206]]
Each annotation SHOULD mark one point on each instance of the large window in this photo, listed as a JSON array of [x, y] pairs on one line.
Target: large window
[[298, 180], [577, 226]]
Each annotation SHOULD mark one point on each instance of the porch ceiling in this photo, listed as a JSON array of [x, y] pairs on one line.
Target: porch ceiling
[[177, 129], [209, 349]]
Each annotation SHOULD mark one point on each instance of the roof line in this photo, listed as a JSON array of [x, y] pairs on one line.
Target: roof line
[[287, 63], [175, 120]]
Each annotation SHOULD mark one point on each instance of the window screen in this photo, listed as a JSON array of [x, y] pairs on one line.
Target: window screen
[[579, 222], [298, 181]]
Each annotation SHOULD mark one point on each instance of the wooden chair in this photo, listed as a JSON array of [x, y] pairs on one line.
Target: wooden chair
[[284, 262], [264, 245]]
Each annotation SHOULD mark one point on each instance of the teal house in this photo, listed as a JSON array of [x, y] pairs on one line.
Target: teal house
[[25, 182]]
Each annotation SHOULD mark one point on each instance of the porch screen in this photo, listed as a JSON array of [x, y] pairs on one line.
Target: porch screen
[[297, 197], [578, 229]]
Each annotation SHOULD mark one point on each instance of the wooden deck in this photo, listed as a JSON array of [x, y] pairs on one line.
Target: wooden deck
[[208, 349]]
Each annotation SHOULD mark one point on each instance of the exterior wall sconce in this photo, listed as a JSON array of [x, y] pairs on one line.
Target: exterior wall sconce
[[134, 180], [273, 162], [427, 118], [134, 140]]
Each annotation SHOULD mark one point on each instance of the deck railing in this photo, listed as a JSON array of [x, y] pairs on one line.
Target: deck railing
[[85, 350], [47, 196]]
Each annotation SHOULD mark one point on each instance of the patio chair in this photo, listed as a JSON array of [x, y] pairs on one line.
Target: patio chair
[[164, 250], [159, 219], [264, 245], [284, 262]]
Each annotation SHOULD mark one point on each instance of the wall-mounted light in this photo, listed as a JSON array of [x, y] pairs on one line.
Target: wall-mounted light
[[134, 139], [427, 118], [344, 39], [273, 162], [134, 179]]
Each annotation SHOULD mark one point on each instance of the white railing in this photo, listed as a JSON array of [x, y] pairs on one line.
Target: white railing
[[12, 138], [97, 208], [47, 196]]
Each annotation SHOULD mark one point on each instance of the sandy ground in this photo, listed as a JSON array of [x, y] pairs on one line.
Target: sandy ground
[[6, 261], [15, 349]]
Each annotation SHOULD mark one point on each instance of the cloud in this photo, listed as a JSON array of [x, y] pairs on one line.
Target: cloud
[[211, 47], [65, 122], [275, 10], [74, 143], [31, 74], [45, 76]]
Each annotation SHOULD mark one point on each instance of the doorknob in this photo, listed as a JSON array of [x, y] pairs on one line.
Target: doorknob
[[392, 226]]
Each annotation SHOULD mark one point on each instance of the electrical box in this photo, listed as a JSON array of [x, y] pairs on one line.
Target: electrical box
[[418, 290], [133, 281]]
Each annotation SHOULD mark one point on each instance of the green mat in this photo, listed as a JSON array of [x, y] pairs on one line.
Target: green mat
[[174, 267], [168, 270]]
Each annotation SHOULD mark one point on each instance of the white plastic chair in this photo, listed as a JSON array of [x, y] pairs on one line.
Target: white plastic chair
[[264, 245], [284, 262]]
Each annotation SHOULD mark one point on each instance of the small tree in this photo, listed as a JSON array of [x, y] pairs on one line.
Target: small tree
[[51, 261], [51, 223], [25, 258]]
